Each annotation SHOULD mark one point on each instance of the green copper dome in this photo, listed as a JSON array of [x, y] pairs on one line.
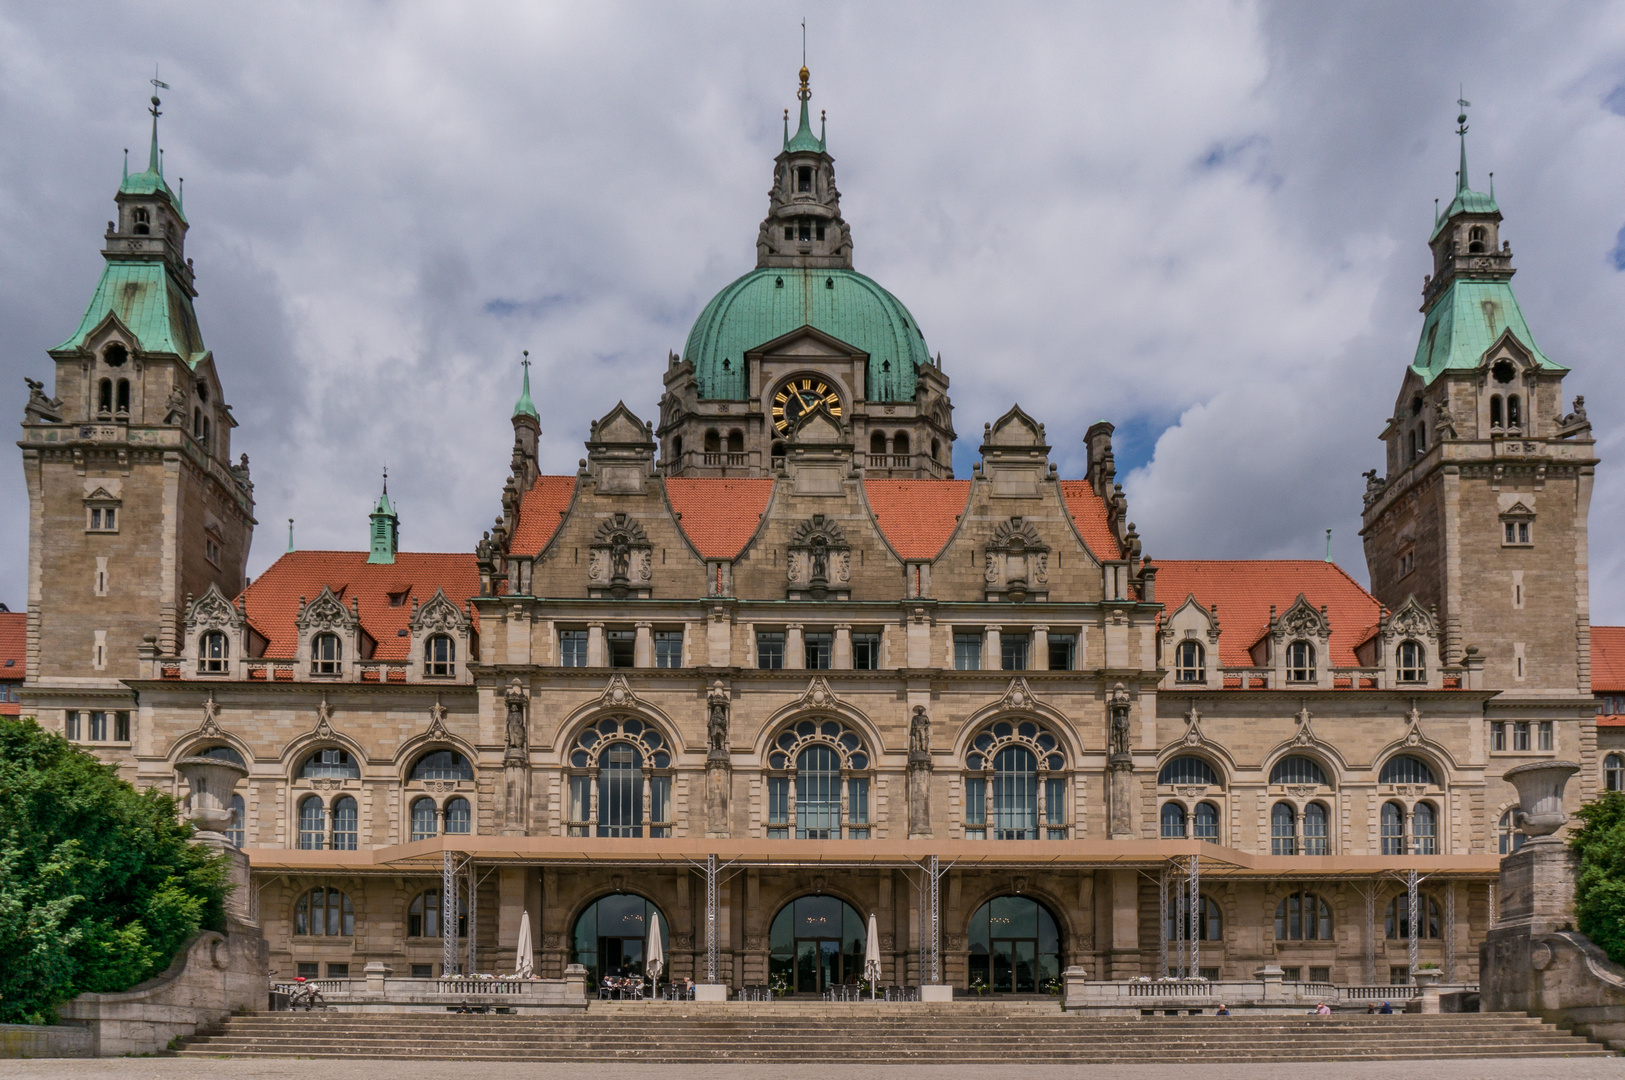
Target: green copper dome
[[770, 302]]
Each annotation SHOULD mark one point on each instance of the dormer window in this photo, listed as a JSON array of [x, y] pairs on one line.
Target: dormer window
[[1475, 240], [142, 221], [1300, 662], [1412, 663], [804, 179], [1189, 666], [326, 655], [213, 652]]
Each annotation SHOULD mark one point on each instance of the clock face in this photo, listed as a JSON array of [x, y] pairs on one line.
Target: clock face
[[799, 396]]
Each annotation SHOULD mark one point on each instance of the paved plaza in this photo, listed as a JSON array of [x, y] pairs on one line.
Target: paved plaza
[[264, 1069]]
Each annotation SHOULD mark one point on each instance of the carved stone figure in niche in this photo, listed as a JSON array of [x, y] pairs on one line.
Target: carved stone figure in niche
[[919, 735], [819, 559], [1017, 558], [1121, 744], [518, 730], [1444, 422], [621, 556], [716, 724]]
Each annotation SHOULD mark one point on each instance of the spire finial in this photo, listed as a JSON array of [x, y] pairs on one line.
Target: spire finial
[[1461, 130], [126, 163], [524, 406], [1328, 545], [290, 536], [386, 479], [154, 160]]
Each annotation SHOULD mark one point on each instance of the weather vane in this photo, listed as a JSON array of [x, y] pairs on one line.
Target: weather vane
[[1463, 103], [525, 363], [157, 85]]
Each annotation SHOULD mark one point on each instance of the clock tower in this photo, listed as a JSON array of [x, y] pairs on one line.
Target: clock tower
[[801, 337]]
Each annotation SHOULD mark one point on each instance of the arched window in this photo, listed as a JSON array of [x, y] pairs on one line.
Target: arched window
[[312, 823], [1613, 772], [324, 912], [1511, 838], [736, 441], [236, 831], [1397, 921], [1283, 829], [1209, 925], [818, 793], [1421, 439], [1189, 662], [123, 401], [1315, 838], [425, 824], [623, 749], [1300, 662], [611, 935], [1475, 240], [677, 448], [713, 441], [877, 443], [1015, 946], [1016, 789], [1495, 410], [440, 657], [1173, 821], [442, 765], [1393, 829], [1412, 663], [326, 655], [423, 915], [936, 450], [459, 817], [620, 791], [221, 753], [1424, 829], [1188, 769], [1415, 451], [1407, 769], [1015, 794], [104, 396], [197, 423], [899, 445], [344, 824], [1296, 770], [214, 649], [143, 224], [1514, 412], [330, 762], [1303, 917], [1205, 822]]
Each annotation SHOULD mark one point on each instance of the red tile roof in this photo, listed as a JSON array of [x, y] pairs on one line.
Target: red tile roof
[[1607, 659], [1245, 589], [917, 516], [1088, 510], [719, 515], [1611, 721], [13, 657], [273, 597], [540, 511]]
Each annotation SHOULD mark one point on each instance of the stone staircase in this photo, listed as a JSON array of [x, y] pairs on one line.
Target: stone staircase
[[974, 1033]]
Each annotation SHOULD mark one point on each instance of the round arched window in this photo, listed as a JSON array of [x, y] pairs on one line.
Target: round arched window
[[817, 942], [611, 937], [1015, 946], [1190, 662], [1187, 769], [442, 765], [1407, 769], [330, 762], [823, 753], [221, 753], [1298, 769]]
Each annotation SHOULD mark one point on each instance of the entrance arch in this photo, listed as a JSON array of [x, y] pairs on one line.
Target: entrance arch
[[611, 934], [817, 942], [1015, 945]]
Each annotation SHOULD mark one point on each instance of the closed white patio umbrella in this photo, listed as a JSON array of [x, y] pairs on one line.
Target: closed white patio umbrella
[[654, 961], [522, 962], [871, 957]]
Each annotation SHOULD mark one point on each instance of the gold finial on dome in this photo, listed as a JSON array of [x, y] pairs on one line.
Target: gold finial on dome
[[804, 93]]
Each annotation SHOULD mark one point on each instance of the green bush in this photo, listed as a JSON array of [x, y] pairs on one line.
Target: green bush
[[1599, 895], [100, 884]]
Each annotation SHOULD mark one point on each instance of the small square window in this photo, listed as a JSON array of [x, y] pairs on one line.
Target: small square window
[[572, 648], [338, 971], [1320, 974], [866, 652], [770, 651], [1062, 651], [967, 652], [1399, 976], [101, 518], [1516, 533], [309, 971], [1291, 974], [668, 648], [211, 549]]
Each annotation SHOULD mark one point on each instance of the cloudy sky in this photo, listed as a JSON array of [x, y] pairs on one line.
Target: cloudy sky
[[1205, 223]]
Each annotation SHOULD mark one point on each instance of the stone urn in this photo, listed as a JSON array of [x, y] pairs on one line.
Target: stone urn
[[1540, 787], [1427, 978], [212, 780]]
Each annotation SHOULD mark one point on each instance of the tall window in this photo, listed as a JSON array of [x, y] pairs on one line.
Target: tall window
[[817, 649], [818, 793], [1055, 808], [1015, 794], [975, 808], [124, 395], [1013, 650], [1412, 667], [1393, 829], [1188, 663], [1397, 920], [330, 762], [459, 817], [1315, 839], [1520, 735], [1283, 829], [866, 652], [442, 765], [1300, 662], [1511, 838], [1173, 821], [622, 646], [344, 824], [659, 806], [778, 808], [769, 651], [213, 651], [324, 912], [857, 808], [1206, 822], [104, 396], [423, 916], [967, 652], [572, 648], [440, 657], [1063, 649], [1613, 772], [580, 805], [236, 832], [668, 648], [425, 821], [312, 824], [326, 655], [620, 791], [1409, 769], [1303, 917], [1424, 829], [1209, 925]]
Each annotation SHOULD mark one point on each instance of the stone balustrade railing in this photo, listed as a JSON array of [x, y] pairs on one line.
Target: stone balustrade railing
[[380, 991], [1249, 993]]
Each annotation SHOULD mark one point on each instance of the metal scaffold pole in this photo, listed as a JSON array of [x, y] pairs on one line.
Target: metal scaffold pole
[[935, 916], [1371, 933], [1450, 932], [1162, 923], [1410, 886], [448, 914], [712, 946], [1194, 880], [473, 894]]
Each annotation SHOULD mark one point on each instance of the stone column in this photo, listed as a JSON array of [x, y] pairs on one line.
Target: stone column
[[643, 648], [993, 655], [718, 763], [919, 774], [1120, 811], [597, 654], [1039, 660], [841, 658], [795, 647]]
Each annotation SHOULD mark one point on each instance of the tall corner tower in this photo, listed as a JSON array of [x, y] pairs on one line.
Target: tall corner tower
[[134, 501], [1482, 514]]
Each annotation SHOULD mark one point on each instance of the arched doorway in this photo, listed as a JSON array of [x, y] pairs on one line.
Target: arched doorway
[[1015, 945], [611, 934], [817, 942]]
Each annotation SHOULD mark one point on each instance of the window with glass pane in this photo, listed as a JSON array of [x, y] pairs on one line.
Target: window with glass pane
[[818, 794], [1190, 663], [1173, 821], [770, 651], [1520, 735], [1283, 830], [121, 727], [1055, 807], [1424, 829], [659, 806], [857, 808], [1498, 736], [423, 916], [778, 807], [1411, 666], [1300, 662], [975, 808], [325, 912], [1303, 917], [1545, 735], [1393, 829], [967, 652], [213, 652], [1013, 650], [866, 652], [331, 762], [440, 657], [344, 824], [668, 648], [1209, 920], [1063, 650], [1397, 919], [70, 726], [1015, 794], [572, 648], [425, 821], [326, 655], [1511, 839], [239, 816], [1206, 823], [580, 804], [459, 816], [620, 791], [623, 646], [1407, 769], [312, 824], [818, 649], [98, 727], [442, 765], [1188, 769], [1613, 772], [1315, 840]]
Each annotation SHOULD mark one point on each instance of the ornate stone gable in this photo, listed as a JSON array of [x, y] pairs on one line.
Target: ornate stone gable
[[212, 611], [439, 615], [1302, 620], [620, 561], [1017, 560], [820, 559], [326, 612]]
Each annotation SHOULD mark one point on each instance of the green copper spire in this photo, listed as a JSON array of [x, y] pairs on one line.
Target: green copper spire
[[1461, 173], [153, 165], [1467, 200], [524, 406], [385, 528], [290, 536], [803, 139]]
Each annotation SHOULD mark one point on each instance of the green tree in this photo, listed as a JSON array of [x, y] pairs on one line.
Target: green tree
[[100, 884], [1599, 894]]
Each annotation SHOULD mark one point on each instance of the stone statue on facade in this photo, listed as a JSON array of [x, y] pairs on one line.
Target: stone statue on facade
[[518, 728], [919, 735], [919, 773], [1121, 744], [718, 766], [716, 724], [1444, 422]]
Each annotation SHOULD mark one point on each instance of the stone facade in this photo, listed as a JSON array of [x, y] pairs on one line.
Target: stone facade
[[831, 670]]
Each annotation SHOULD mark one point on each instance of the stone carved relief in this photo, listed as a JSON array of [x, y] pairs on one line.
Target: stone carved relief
[[1302, 620], [517, 726], [621, 555], [324, 721], [1122, 748], [1413, 731], [716, 722], [1306, 733], [819, 556], [1017, 559], [210, 728], [439, 615], [212, 611], [1193, 726], [326, 612], [437, 721]]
